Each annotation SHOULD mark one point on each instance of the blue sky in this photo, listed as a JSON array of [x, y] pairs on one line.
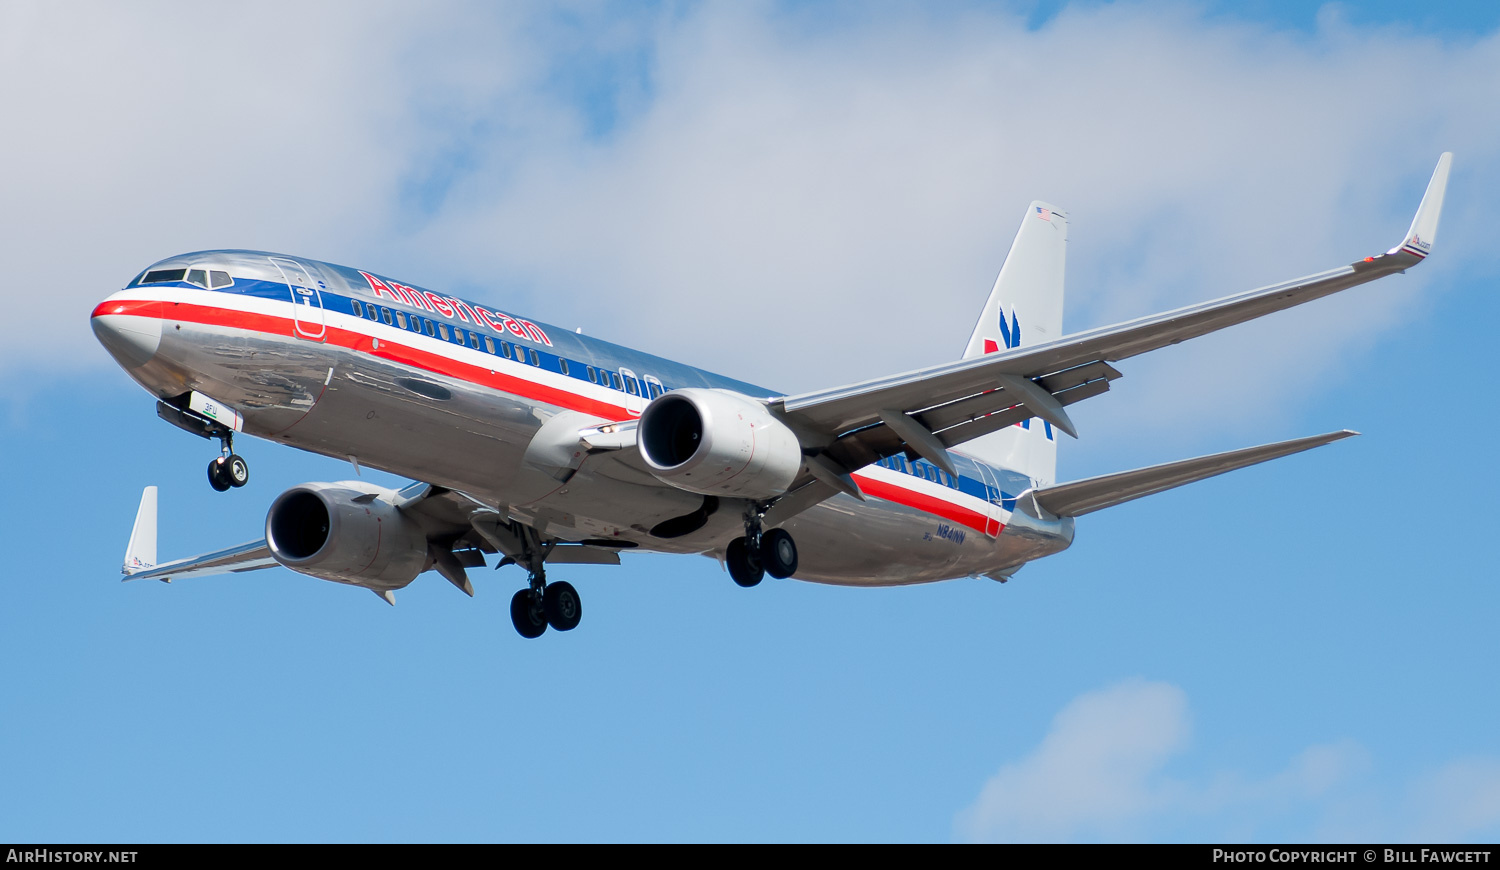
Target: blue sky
[[799, 196]]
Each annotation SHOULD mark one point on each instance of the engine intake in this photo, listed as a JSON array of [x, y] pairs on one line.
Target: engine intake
[[319, 529], [718, 442]]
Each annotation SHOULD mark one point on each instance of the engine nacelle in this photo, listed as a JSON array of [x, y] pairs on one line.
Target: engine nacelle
[[718, 442], [321, 530]]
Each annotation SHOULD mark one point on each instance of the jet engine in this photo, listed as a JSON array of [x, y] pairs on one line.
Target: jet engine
[[348, 532], [718, 442]]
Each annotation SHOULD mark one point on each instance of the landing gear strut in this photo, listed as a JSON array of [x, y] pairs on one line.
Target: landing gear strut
[[759, 553], [229, 469], [541, 603]]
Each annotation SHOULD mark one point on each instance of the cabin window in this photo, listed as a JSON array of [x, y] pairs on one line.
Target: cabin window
[[163, 276], [489, 345], [593, 375], [473, 341], [535, 360], [631, 388], [400, 320], [359, 310], [199, 277], [654, 389], [614, 379], [217, 279], [458, 335], [562, 365], [505, 350], [385, 314], [427, 325], [371, 311], [443, 331]]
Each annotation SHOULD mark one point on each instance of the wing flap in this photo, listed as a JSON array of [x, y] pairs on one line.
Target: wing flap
[[1096, 493]]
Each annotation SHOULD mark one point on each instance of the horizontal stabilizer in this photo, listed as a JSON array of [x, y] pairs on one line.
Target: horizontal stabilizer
[[1096, 493]]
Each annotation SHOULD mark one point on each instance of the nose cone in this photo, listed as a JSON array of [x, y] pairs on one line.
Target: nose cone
[[130, 330]]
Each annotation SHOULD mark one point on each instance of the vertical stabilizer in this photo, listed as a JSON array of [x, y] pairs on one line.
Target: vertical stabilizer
[[1025, 308], [140, 553]]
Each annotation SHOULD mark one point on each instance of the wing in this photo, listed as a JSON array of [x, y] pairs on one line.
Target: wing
[[931, 409], [140, 554], [459, 529]]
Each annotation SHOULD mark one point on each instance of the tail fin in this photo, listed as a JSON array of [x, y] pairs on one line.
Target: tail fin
[[1025, 308]]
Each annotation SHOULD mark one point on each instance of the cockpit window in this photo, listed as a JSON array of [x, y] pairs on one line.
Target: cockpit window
[[163, 276], [217, 279], [199, 277]]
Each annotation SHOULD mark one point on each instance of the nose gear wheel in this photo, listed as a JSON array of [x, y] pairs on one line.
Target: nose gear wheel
[[229, 469]]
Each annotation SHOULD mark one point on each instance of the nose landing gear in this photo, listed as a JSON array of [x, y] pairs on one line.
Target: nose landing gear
[[229, 469]]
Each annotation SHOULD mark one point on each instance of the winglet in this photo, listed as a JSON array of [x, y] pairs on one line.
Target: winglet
[[140, 553], [1418, 241]]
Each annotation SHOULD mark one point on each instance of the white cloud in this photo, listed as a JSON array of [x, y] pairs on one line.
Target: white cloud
[[785, 197], [801, 206], [1456, 800], [1104, 771], [1098, 770]]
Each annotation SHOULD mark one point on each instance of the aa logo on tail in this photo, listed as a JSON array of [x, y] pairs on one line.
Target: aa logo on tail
[[1010, 333]]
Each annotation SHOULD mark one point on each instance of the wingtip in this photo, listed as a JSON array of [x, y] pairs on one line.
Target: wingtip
[[1424, 226], [1330, 437], [140, 552]]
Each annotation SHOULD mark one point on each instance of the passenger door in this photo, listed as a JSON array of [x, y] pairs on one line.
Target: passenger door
[[994, 512], [305, 296]]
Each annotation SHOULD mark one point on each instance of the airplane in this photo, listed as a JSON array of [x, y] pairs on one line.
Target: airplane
[[543, 447]]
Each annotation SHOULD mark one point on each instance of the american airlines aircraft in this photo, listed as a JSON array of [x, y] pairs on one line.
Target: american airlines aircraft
[[544, 447]]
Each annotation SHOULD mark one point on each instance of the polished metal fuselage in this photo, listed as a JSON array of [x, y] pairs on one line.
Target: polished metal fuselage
[[306, 374]]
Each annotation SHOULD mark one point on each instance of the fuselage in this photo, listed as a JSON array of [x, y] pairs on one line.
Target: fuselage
[[355, 365]]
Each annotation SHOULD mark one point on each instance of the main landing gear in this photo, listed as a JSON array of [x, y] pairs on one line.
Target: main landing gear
[[541, 603], [759, 553], [229, 469]]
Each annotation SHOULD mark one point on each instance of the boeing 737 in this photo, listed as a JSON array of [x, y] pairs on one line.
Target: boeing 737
[[542, 447]]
